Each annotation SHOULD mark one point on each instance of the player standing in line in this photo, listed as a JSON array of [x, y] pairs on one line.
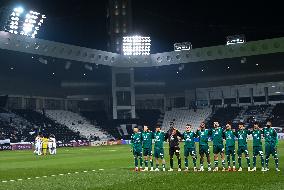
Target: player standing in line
[[230, 146], [203, 135], [159, 138], [257, 146], [271, 142], [189, 147], [242, 134], [147, 137], [174, 136], [136, 142], [218, 146]]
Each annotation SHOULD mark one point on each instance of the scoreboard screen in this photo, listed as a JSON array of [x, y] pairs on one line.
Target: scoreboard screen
[[182, 46], [235, 39]]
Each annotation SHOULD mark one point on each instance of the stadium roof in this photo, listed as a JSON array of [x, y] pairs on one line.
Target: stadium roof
[[225, 70], [43, 73]]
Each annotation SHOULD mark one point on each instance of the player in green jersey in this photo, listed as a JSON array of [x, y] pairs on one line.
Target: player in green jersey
[[159, 138], [203, 135], [257, 146], [136, 142], [189, 146], [147, 137], [242, 134], [271, 142], [230, 146], [218, 146]]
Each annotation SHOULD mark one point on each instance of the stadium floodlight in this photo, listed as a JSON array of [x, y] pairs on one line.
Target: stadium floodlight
[[235, 39], [182, 46], [18, 10], [136, 45], [24, 22]]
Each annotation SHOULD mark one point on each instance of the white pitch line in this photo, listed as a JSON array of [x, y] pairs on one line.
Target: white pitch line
[[112, 150], [47, 176]]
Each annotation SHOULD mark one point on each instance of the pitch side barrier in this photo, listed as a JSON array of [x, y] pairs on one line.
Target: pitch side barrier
[[110, 143], [16, 146], [30, 146]]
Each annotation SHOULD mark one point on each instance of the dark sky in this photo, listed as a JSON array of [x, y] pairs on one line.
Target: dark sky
[[204, 23]]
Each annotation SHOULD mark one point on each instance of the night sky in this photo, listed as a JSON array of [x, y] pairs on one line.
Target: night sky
[[204, 23]]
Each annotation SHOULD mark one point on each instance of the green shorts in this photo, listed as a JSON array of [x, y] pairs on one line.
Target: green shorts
[[189, 151], [257, 150], [230, 150], [137, 152], [270, 149], [204, 149], [243, 149], [147, 152], [218, 149], [159, 153]]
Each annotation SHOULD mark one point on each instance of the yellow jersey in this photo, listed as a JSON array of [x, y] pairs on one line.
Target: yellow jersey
[[44, 142]]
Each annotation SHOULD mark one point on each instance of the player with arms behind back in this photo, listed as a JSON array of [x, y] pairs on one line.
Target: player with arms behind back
[[159, 138], [271, 141], [136, 142], [189, 146], [230, 146], [257, 146], [147, 137], [173, 135], [242, 146], [203, 135], [218, 146]]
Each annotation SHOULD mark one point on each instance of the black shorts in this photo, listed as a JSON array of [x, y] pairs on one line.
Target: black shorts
[[174, 150]]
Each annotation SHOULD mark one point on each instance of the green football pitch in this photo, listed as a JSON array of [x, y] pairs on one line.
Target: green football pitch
[[111, 167]]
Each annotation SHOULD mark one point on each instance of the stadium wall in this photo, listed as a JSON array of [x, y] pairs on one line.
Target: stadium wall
[[238, 95]]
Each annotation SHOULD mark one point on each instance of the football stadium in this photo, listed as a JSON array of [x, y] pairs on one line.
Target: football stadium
[[140, 94]]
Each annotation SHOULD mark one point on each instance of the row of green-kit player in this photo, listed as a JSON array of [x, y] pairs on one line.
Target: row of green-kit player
[[143, 141]]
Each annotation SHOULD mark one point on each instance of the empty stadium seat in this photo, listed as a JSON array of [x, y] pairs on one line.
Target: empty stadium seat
[[77, 123], [185, 116]]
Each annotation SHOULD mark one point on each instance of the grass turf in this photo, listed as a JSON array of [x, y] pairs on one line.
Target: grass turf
[[117, 162]]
